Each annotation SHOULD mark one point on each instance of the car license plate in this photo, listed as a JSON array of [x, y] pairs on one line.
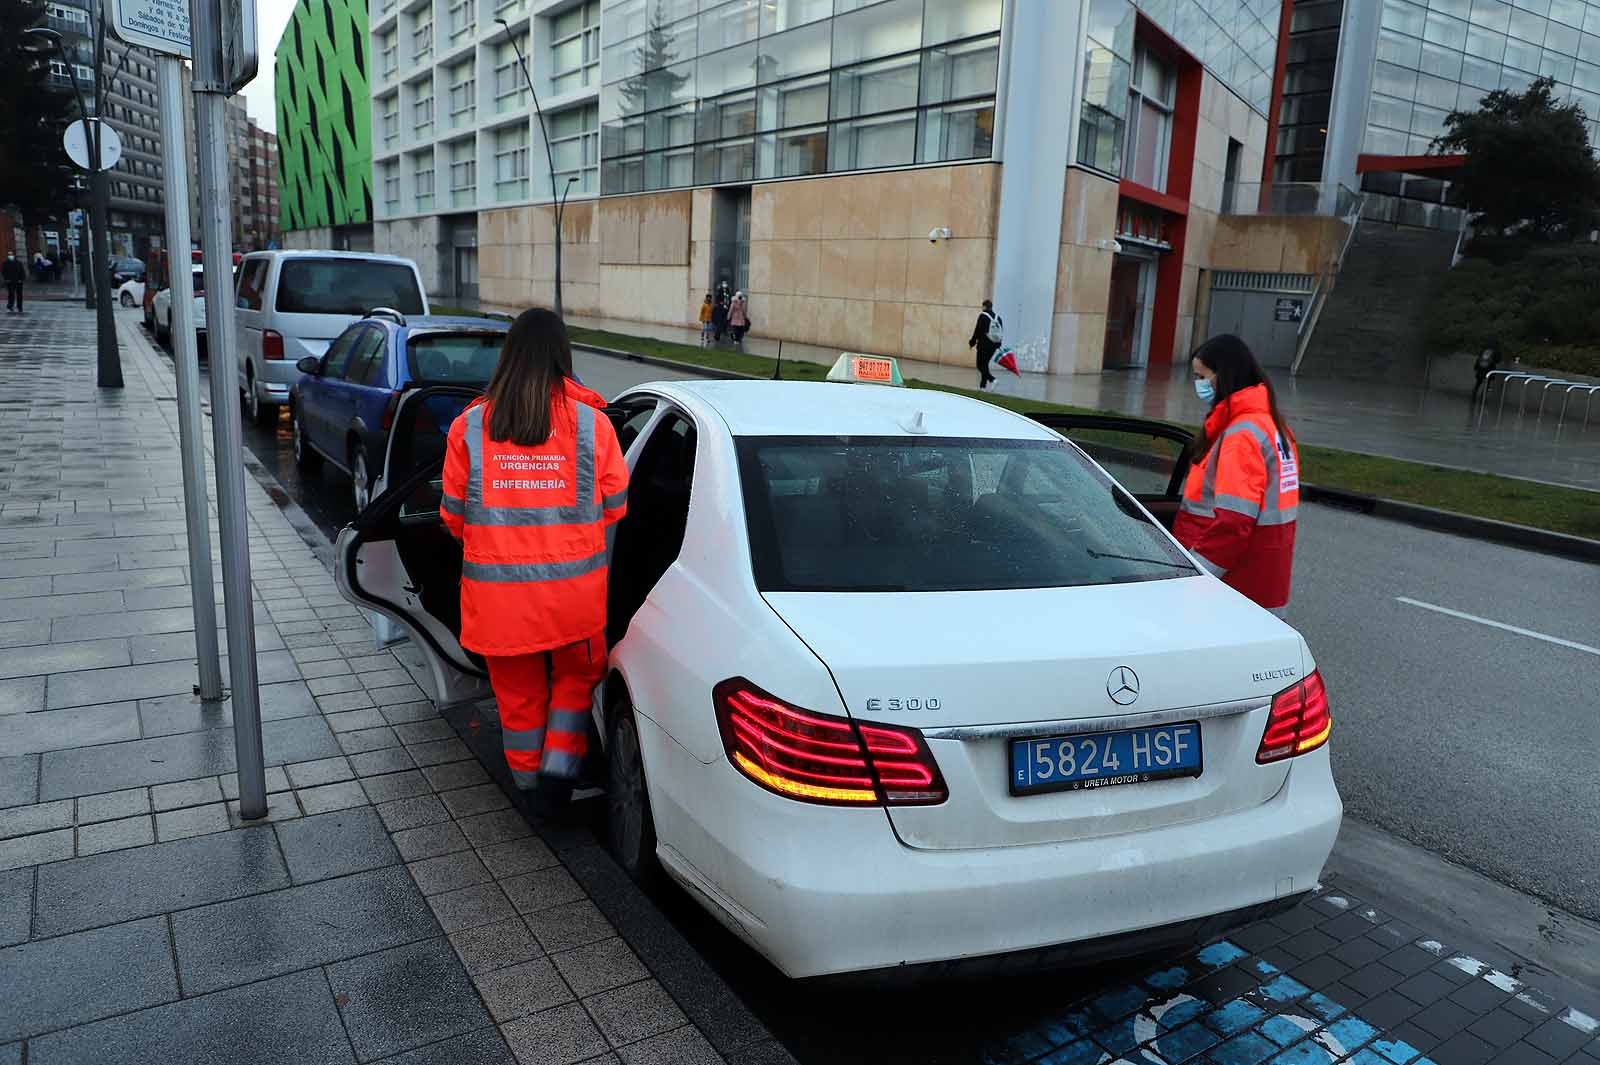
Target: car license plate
[[1104, 759]]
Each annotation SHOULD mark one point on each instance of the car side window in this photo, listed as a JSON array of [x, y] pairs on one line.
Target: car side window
[[367, 349], [249, 291], [629, 419], [338, 354]]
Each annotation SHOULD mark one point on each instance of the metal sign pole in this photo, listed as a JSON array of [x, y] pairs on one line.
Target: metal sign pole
[[175, 165], [211, 134]]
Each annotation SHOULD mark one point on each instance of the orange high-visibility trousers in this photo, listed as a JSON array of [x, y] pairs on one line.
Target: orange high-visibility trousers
[[544, 701]]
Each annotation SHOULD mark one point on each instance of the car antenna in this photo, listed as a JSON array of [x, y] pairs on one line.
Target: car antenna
[[777, 369]]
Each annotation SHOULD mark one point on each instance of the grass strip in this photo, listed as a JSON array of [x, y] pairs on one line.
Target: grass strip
[[1485, 495]]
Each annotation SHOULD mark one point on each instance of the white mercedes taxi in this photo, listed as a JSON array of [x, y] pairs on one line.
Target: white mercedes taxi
[[900, 679]]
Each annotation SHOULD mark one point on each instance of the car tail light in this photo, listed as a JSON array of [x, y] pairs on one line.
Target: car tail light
[[271, 344], [389, 409], [821, 758], [1299, 721]]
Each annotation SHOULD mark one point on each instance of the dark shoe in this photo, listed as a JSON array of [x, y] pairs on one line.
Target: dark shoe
[[551, 799]]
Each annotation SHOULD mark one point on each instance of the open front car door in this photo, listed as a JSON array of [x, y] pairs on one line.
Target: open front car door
[[398, 559], [1148, 458]]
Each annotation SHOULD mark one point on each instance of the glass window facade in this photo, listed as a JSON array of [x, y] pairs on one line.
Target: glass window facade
[[718, 91], [1235, 40], [1436, 56]]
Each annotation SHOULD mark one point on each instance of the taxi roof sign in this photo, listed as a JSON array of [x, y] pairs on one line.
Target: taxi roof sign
[[854, 368]]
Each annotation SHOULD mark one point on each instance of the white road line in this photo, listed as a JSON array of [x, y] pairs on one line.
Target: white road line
[[1499, 625]]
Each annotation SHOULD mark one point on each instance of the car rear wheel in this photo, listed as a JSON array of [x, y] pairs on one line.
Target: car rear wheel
[[305, 456], [360, 478], [260, 413], [127, 299], [630, 826]]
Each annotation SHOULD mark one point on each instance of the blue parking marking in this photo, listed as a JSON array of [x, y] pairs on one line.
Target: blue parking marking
[[1279, 1021]]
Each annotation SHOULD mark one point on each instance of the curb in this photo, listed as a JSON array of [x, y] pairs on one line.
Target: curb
[[1508, 533], [1488, 529]]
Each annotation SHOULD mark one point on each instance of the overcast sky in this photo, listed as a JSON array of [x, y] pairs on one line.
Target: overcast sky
[[271, 17]]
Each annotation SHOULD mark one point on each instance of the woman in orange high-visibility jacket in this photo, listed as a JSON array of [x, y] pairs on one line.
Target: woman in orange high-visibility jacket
[[1239, 503], [534, 483]]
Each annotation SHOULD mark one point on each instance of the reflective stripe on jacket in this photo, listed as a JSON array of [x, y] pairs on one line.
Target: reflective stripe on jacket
[[1240, 501], [535, 525]]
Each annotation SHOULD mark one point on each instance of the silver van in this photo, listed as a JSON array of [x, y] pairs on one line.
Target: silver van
[[291, 304]]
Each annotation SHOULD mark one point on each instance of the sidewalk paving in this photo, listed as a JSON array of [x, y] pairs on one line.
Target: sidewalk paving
[[393, 906], [1404, 423]]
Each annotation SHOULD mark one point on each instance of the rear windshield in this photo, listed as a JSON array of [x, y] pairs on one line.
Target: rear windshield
[[199, 280], [452, 359], [855, 514], [346, 286]]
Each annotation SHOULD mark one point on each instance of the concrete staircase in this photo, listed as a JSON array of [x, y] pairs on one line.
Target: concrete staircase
[[1371, 325]]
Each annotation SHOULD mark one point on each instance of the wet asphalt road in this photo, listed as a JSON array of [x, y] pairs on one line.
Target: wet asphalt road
[[1466, 739]]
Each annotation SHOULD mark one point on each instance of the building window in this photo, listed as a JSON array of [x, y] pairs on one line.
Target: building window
[[460, 19], [388, 54], [575, 48], [463, 95], [391, 119], [1148, 137], [575, 146], [509, 9], [511, 162], [422, 179], [422, 37], [1230, 175], [463, 173], [510, 87], [422, 109], [789, 91], [391, 188], [1107, 66]]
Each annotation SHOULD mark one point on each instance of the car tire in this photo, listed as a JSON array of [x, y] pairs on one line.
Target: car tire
[[127, 299], [630, 824], [308, 459], [166, 336], [360, 478], [259, 412]]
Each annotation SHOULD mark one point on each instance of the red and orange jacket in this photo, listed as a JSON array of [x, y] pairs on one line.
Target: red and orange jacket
[[535, 525], [1239, 503]]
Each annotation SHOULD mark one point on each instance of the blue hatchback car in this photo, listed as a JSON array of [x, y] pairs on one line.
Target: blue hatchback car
[[343, 405]]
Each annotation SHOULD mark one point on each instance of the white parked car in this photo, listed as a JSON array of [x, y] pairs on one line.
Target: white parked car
[[902, 679], [161, 308], [131, 293], [290, 304]]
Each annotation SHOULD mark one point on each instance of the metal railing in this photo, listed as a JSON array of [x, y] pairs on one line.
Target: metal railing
[[1319, 294], [1462, 237], [1507, 378], [1330, 199]]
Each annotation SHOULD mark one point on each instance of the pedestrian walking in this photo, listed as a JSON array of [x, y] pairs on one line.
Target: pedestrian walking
[[1238, 510], [987, 336], [719, 317], [14, 274], [534, 480], [705, 321], [738, 319], [1488, 359]]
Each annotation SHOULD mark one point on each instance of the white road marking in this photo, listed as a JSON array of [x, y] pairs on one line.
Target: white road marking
[[1499, 625]]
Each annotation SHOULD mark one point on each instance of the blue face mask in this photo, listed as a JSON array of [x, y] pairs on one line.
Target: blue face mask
[[1205, 388]]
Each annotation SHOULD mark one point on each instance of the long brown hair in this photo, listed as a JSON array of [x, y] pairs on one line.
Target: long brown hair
[[534, 361], [1235, 365]]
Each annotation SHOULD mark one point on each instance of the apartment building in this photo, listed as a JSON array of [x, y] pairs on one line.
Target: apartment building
[[133, 108]]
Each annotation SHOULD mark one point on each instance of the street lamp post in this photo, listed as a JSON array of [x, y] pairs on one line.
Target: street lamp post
[[558, 201], [109, 361]]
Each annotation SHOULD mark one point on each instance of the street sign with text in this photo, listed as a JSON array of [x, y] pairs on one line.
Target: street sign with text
[[159, 25]]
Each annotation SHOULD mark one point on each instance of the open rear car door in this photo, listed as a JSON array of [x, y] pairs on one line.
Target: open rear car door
[[398, 559], [1148, 458]]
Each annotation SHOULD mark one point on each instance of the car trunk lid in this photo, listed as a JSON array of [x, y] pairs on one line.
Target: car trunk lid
[[966, 670]]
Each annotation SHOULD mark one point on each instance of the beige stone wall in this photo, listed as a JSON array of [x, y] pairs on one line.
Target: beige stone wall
[[1083, 273], [622, 257], [845, 261], [1276, 243]]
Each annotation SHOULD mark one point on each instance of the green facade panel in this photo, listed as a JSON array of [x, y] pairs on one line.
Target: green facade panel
[[324, 116]]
